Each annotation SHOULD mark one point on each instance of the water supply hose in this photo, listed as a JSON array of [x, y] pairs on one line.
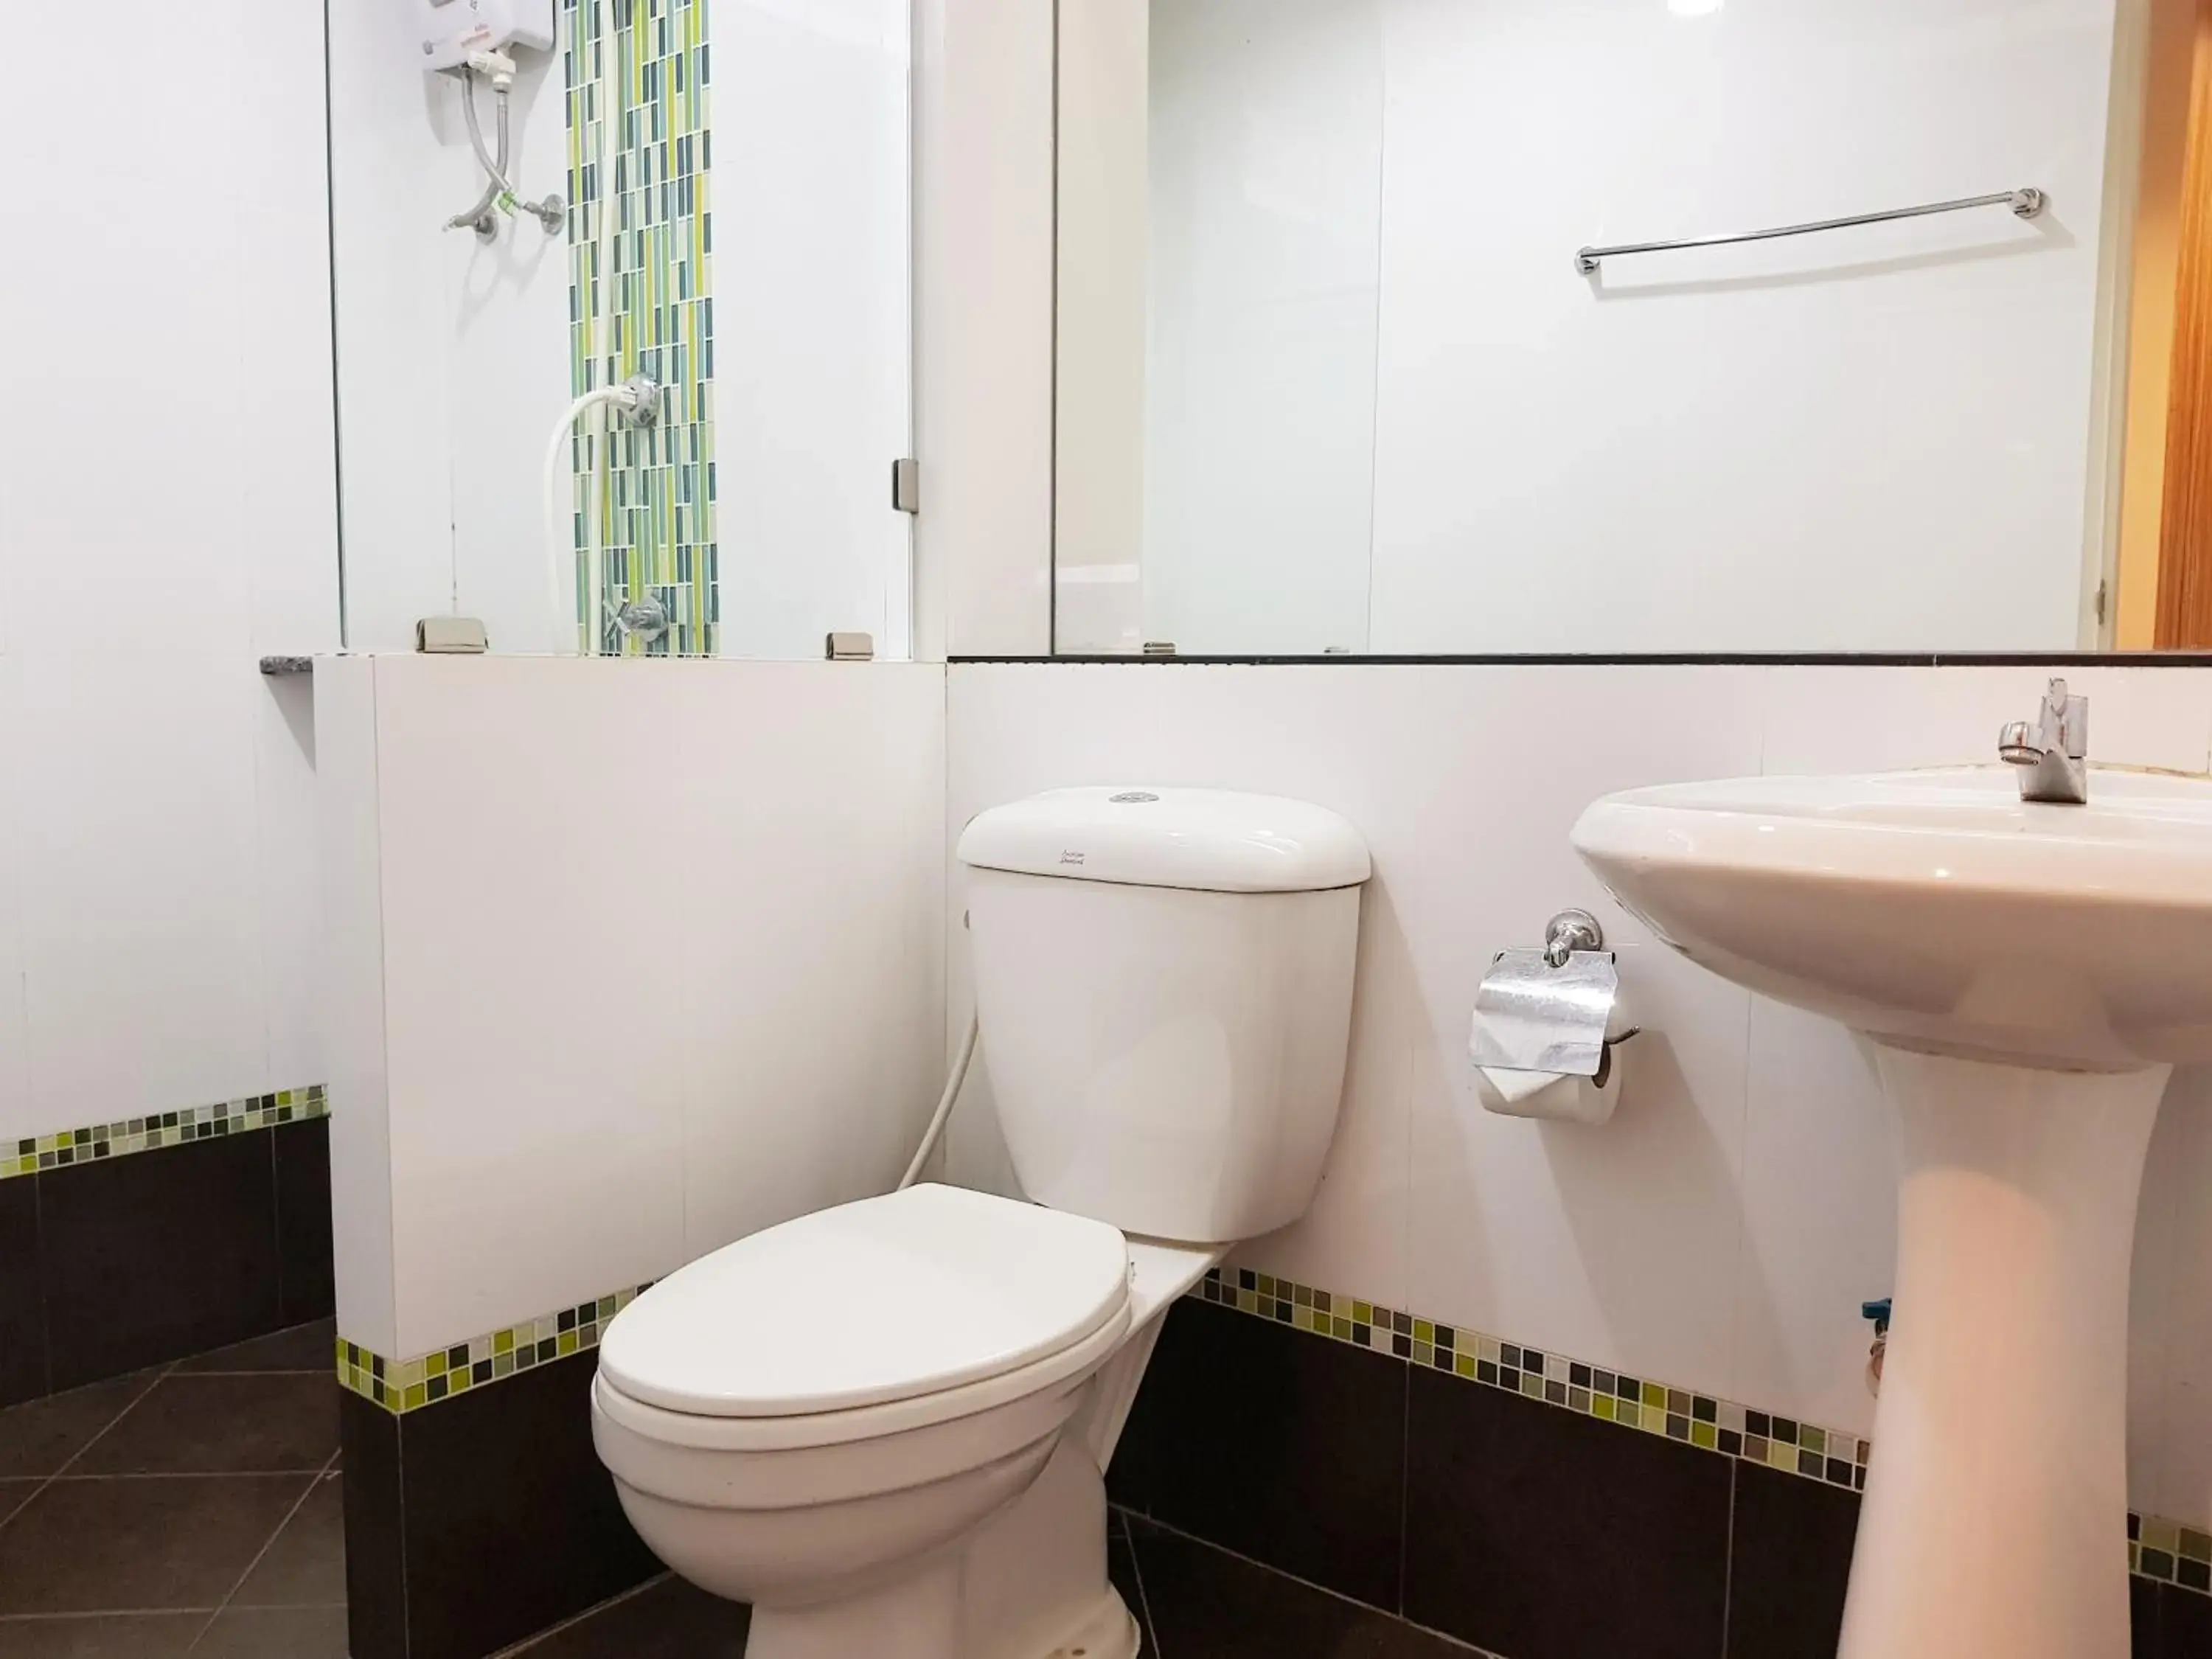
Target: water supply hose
[[935, 1133]]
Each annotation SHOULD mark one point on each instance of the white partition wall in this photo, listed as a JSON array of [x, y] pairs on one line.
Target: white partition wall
[[628, 960]]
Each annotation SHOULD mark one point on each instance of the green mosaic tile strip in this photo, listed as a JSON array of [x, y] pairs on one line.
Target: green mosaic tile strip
[[408, 1385], [638, 73], [2163, 1550], [2170, 1553], [159, 1129]]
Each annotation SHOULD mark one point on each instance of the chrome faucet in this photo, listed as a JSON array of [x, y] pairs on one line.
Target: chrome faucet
[[2053, 754]]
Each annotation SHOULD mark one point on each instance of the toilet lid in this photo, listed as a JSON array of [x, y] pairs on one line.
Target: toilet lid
[[890, 1298]]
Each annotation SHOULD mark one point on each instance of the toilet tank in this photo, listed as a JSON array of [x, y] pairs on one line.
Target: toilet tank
[[1165, 979]]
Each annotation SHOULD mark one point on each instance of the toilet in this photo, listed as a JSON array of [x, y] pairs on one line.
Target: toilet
[[886, 1426]]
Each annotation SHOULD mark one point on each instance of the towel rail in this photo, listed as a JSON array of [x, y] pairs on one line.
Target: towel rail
[[2027, 204]]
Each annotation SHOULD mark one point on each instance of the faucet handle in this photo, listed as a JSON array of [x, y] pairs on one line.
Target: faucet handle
[[2066, 720]]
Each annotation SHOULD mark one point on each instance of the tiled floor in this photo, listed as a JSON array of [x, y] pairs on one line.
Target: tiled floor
[[192, 1512], [1200, 1602], [1194, 1602], [191, 1509]]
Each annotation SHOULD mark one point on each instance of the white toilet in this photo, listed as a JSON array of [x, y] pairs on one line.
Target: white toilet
[[885, 1424]]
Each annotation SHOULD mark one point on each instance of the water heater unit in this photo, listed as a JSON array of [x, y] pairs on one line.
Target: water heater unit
[[452, 29]]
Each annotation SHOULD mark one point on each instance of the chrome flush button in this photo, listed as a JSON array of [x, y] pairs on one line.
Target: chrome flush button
[[1131, 798]]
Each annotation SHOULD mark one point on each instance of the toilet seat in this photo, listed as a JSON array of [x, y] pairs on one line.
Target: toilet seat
[[872, 1317]]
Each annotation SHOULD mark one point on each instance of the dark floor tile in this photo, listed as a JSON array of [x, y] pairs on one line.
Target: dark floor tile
[[304, 1566], [1790, 1563], [41, 1437], [306, 1287], [14, 1494], [1122, 1573], [376, 1583], [671, 1620], [22, 1312], [160, 1255], [2185, 1624], [1281, 1446], [512, 1524], [1209, 1604], [275, 1424], [102, 1635], [275, 1633], [1535, 1532], [93, 1546], [303, 1348]]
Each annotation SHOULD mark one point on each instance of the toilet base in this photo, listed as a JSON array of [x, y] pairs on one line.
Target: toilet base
[[1029, 1583], [912, 1622], [1111, 1633]]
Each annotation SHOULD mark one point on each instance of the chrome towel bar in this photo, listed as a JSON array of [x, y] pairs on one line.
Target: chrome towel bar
[[2027, 204]]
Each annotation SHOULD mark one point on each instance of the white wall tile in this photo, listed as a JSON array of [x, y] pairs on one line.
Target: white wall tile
[[812, 156], [349, 980], [983, 297], [2172, 1452], [1618, 1244], [2155, 1316], [142, 930], [533, 872], [17, 1118], [279, 168], [391, 321], [1819, 1218], [659, 952], [810, 1022], [288, 876]]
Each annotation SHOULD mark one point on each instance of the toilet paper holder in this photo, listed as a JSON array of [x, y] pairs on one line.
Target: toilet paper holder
[[1550, 1009]]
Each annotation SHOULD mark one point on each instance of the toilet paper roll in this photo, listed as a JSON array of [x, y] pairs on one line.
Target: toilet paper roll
[[1555, 1097]]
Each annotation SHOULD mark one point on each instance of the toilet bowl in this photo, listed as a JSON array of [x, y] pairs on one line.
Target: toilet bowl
[[884, 1426]]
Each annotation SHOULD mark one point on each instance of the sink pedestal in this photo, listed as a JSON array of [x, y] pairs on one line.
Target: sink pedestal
[[1995, 1519]]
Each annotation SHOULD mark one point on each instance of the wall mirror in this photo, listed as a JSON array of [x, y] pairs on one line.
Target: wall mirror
[[1336, 375]]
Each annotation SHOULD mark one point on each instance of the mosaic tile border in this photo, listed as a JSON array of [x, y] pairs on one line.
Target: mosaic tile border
[[400, 1387], [2164, 1551], [638, 76], [157, 1130]]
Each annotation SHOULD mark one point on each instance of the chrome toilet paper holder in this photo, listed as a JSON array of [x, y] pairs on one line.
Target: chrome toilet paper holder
[[1550, 1009]]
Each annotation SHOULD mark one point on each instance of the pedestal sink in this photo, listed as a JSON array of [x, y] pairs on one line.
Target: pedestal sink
[[2029, 975]]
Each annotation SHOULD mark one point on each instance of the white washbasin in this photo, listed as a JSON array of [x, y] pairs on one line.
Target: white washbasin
[[1936, 909], [2028, 973]]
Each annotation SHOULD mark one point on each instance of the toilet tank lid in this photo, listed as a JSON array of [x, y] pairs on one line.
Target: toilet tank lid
[[1213, 841]]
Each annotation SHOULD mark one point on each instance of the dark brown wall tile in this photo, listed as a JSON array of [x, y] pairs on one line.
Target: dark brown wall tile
[[512, 1524], [2185, 1624], [22, 1320], [2142, 1617], [375, 1576], [158, 1255], [1281, 1446], [1533, 1531], [307, 1288], [1789, 1562]]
